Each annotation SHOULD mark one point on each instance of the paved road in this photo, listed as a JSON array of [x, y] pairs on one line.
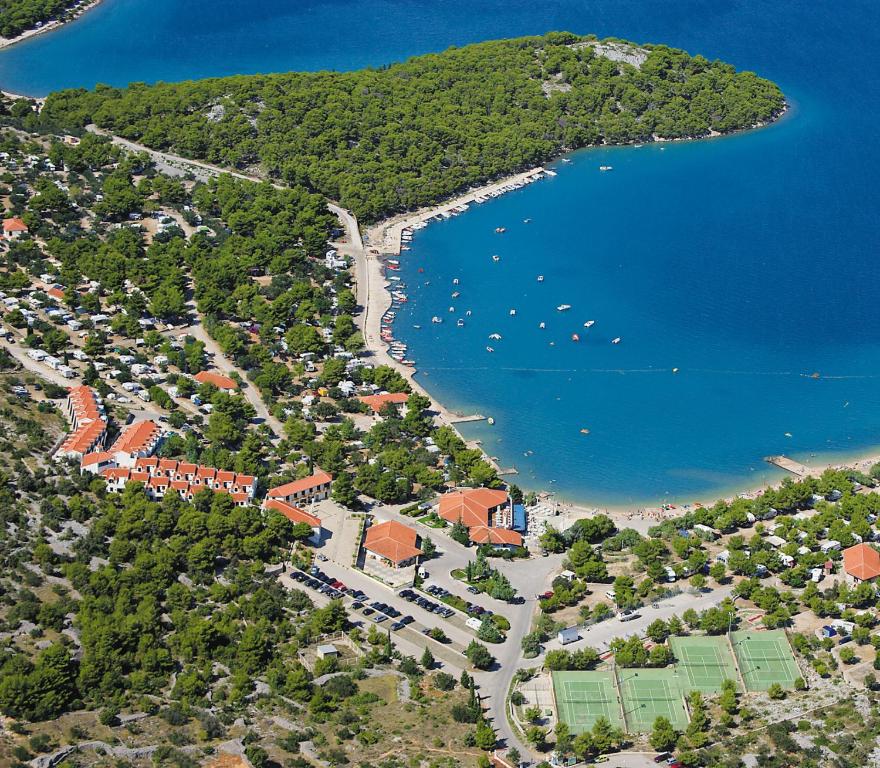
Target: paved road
[[250, 392]]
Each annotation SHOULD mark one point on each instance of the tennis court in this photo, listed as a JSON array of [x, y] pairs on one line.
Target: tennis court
[[583, 697], [703, 663], [648, 694], [764, 658]]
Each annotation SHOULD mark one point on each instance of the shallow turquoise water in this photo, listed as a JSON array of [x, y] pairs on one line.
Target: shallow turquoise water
[[746, 262]]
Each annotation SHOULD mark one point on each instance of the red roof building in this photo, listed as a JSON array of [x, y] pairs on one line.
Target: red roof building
[[861, 563], [136, 441], [82, 406], [295, 515], [217, 379], [83, 440], [477, 507], [495, 537], [378, 402], [14, 228], [312, 488], [393, 543], [162, 475]]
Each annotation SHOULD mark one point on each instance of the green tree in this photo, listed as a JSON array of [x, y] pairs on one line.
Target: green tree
[[663, 735]]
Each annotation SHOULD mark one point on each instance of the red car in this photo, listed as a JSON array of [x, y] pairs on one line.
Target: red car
[[546, 595], [337, 584]]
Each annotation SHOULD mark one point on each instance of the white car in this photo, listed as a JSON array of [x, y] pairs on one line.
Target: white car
[[628, 615]]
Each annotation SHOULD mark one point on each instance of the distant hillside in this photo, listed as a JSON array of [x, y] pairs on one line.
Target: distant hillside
[[386, 140]]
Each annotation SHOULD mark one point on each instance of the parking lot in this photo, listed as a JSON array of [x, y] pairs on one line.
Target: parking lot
[[416, 631]]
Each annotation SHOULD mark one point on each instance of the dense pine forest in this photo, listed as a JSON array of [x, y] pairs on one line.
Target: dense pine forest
[[394, 138]]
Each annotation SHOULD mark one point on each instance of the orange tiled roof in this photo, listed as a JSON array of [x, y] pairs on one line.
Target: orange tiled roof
[[113, 473], [292, 513], [55, 293], [84, 438], [471, 505], [98, 457], [14, 225], [392, 540], [482, 534], [862, 562], [306, 484], [136, 437], [377, 402], [217, 379]]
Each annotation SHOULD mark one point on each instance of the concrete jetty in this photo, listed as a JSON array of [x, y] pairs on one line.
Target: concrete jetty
[[790, 465]]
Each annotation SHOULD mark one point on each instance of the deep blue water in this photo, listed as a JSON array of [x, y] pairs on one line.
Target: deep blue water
[[747, 262]]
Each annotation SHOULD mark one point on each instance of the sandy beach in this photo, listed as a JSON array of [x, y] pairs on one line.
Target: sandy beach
[[5, 42]]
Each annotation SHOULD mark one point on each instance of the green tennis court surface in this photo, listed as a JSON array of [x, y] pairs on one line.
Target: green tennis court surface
[[651, 693], [703, 663], [764, 658], [583, 697]]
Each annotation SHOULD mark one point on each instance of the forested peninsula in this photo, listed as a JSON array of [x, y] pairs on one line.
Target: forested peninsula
[[390, 139], [17, 16]]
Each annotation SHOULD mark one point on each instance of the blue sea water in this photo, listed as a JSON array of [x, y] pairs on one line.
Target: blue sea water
[[746, 262]]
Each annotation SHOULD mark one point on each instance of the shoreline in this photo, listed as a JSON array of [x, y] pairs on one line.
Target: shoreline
[[643, 516], [7, 42], [383, 240]]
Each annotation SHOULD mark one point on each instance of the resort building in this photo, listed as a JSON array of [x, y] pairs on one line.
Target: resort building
[[296, 515], [497, 538], [161, 476], [477, 507], [137, 440], [378, 402], [88, 437], [82, 406], [312, 488], [861, 563], [85, 412], [392, 543], [218, 380], [14, 229]]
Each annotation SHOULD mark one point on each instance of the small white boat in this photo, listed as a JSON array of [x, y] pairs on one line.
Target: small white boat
[[467, 314], [490, 421], [565, 160], [563, 307], [455, 281], [675, 370], [589, 323], [616, 340], [542, 326], [460, 323], [436, 319], [455, 294], [500, 230], [606, 167], [452, 309], [496, 258], [540, 278], [527, 221], [512, 312], [495, 336], [489, 349], [417, 327]]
